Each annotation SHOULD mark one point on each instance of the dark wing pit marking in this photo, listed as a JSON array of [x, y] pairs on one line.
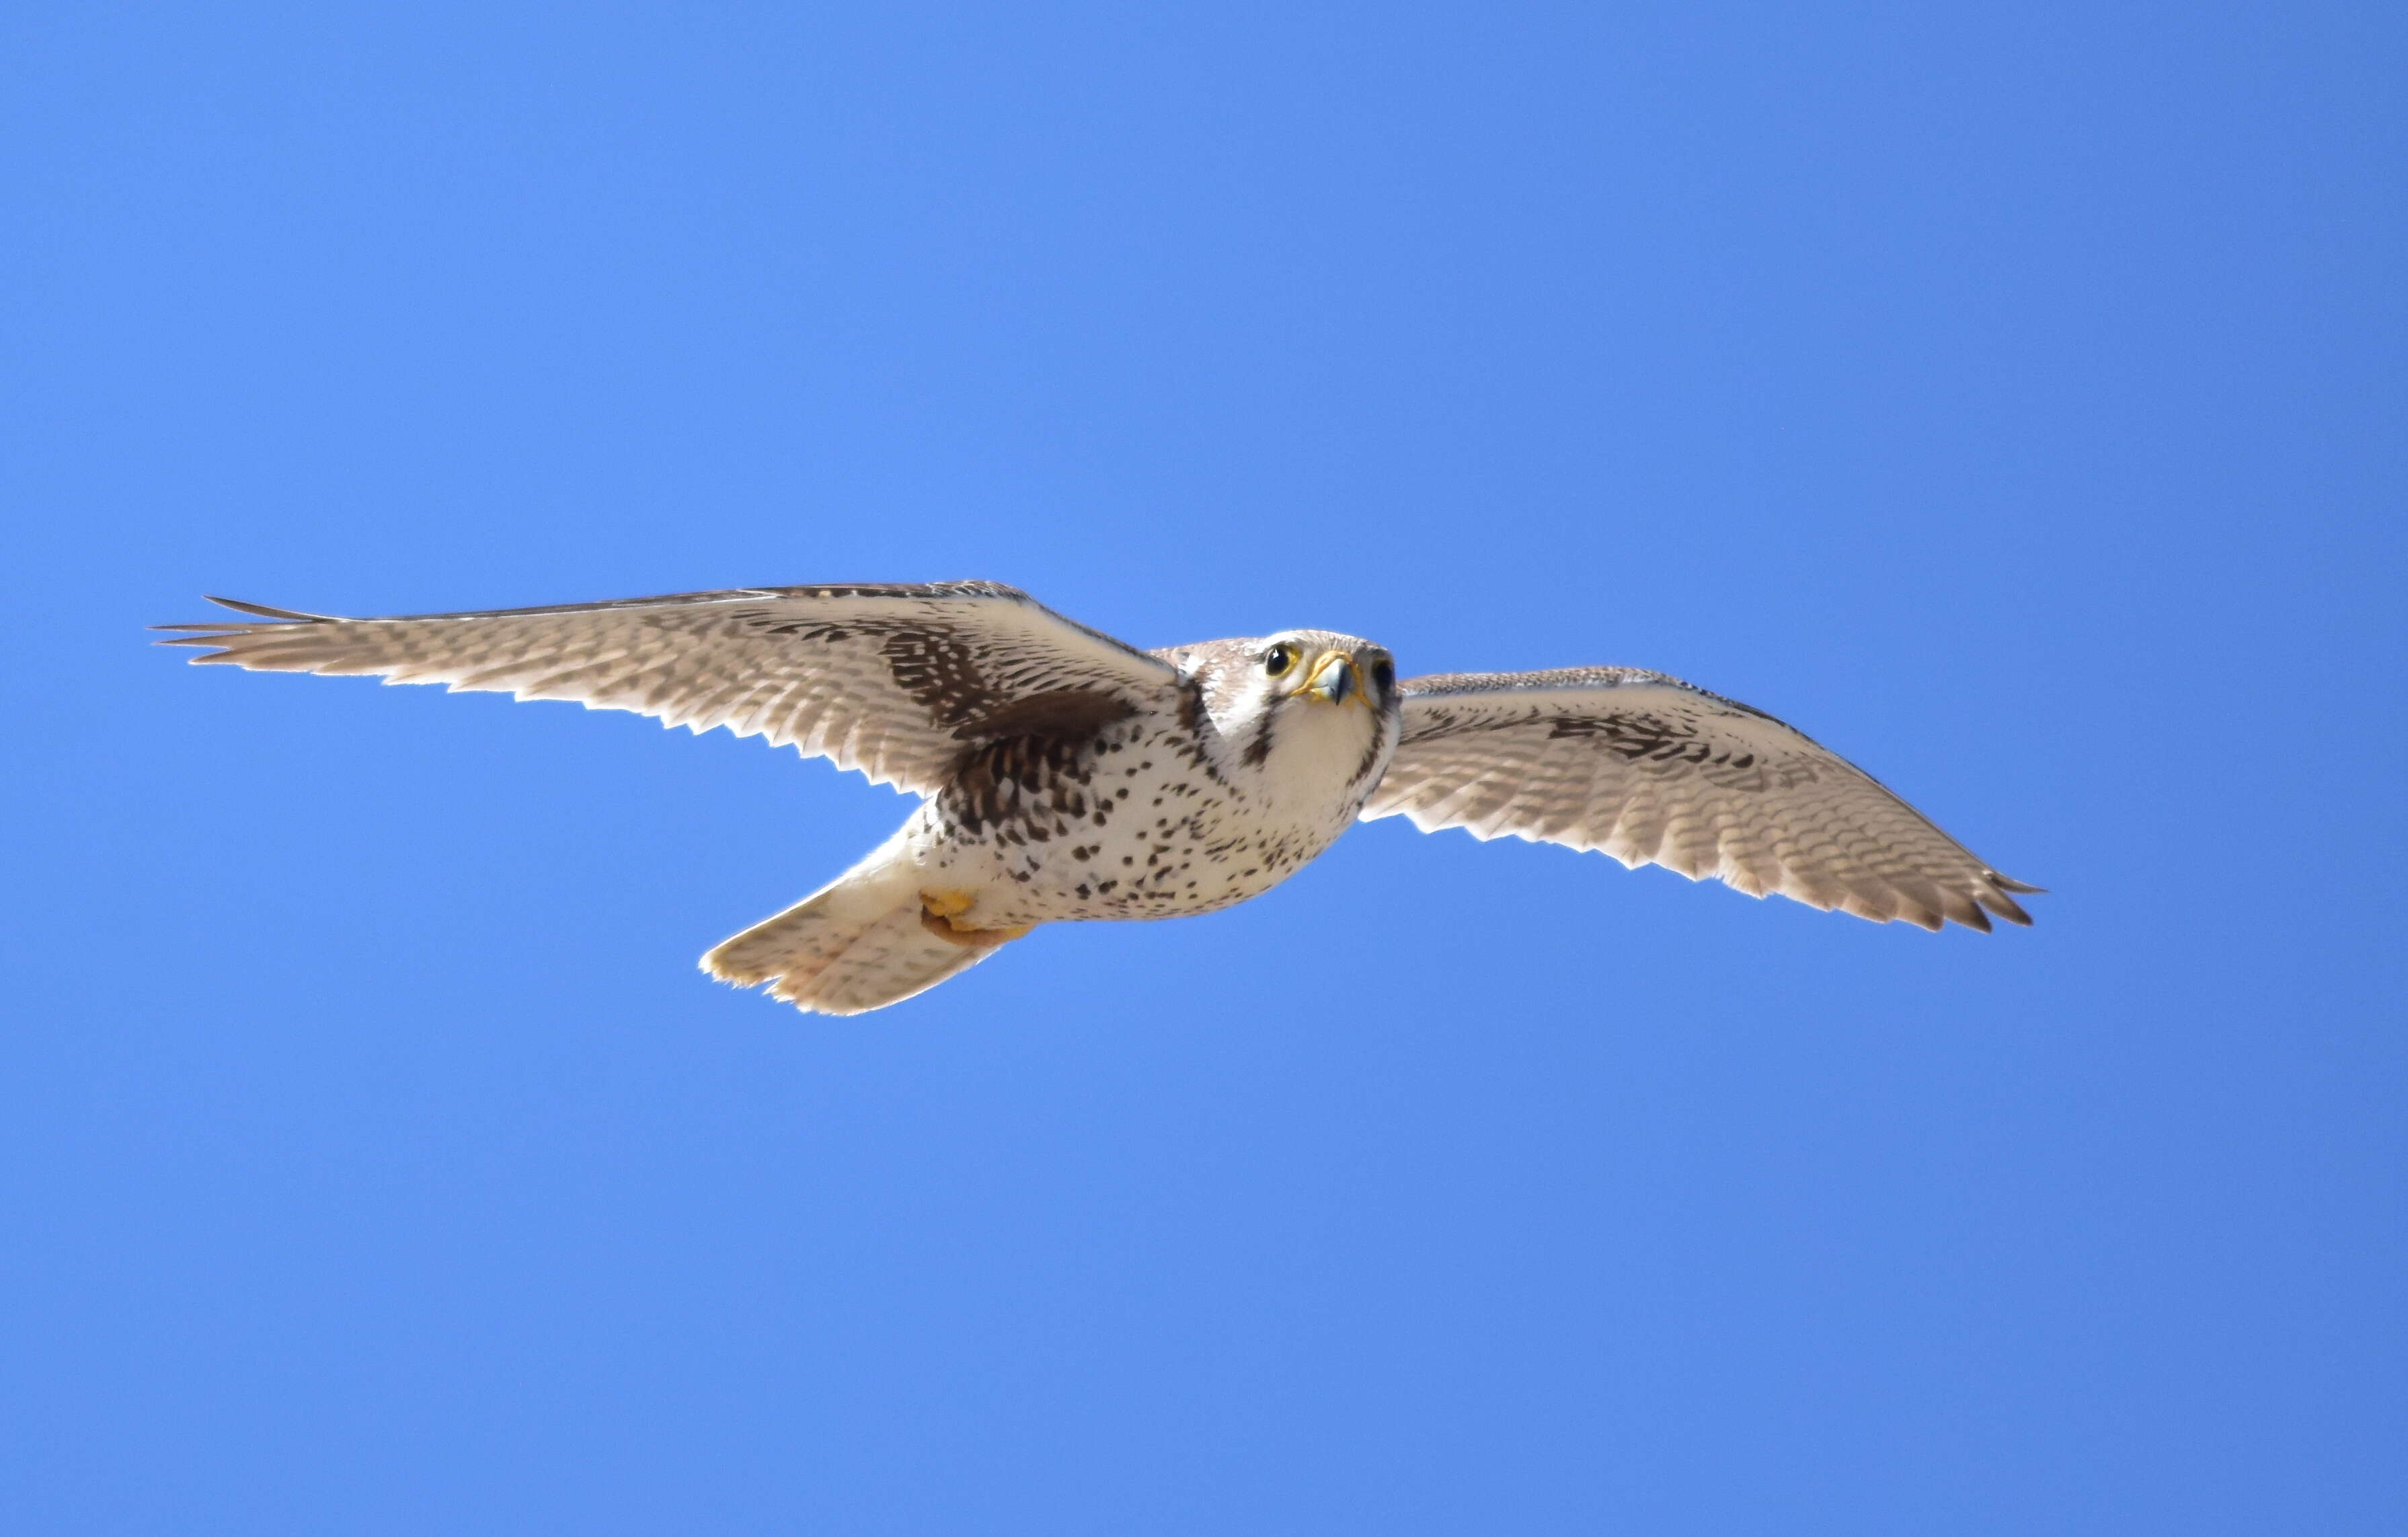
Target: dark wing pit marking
[[1065, 712]]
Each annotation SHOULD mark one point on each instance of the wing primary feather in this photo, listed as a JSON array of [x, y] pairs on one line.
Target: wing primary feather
[[263, 611]]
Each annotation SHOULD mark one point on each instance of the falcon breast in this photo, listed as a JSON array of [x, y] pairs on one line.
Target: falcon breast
[[1066, 775]]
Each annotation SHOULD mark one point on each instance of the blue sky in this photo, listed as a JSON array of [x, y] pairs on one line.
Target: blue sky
[[2012, 399]]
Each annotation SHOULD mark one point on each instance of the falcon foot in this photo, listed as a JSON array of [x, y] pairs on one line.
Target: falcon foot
[[941, 914]]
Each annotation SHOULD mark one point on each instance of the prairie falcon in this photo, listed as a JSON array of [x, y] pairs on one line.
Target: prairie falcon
[[1067, 775]]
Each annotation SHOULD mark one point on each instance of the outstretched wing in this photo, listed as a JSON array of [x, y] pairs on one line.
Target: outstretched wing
[[1652, 771], [894, 681]]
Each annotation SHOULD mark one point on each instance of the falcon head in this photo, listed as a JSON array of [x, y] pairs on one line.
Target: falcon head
[[1307, 710]]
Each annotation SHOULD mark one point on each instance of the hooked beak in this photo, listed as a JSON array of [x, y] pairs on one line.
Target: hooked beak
[[1334, 680]]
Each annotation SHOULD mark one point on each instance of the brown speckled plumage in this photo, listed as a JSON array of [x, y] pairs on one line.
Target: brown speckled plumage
[[1069, 776]]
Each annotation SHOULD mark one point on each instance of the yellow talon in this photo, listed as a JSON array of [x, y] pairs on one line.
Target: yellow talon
[[941, 914]]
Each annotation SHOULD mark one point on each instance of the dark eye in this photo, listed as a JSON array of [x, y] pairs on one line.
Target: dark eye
[[1383, 675], [1279, 659]]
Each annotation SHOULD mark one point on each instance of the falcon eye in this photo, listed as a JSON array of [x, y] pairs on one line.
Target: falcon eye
[[1277, 660], [1383, 675]]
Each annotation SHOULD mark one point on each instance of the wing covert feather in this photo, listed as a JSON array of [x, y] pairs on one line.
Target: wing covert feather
[[1653, 771], [895, 681]]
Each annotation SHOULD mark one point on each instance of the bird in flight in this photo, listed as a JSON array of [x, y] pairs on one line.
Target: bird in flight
[[1067, 775]]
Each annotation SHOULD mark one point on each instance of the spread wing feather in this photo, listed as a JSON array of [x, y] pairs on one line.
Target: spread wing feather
[[1652, 771], [894, 681]]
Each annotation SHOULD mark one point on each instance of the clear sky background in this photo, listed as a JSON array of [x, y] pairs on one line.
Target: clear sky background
[[2014, 399]]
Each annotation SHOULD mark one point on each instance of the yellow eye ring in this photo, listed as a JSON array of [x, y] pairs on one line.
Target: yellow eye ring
[[1277, 660]]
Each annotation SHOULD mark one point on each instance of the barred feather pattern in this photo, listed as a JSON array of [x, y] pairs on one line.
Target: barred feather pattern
[[898, 682], [1653, 771]]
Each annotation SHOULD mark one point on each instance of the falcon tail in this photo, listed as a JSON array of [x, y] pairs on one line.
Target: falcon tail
[[864, 941]]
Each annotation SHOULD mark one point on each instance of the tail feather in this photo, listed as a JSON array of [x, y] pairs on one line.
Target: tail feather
[[860, 943]]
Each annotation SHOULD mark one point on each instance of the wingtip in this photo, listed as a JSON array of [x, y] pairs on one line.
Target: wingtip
[[261, 609], [2008, 907], [219, 632]]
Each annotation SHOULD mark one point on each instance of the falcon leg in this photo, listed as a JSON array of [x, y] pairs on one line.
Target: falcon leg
[[868, 938], [943, 914]]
